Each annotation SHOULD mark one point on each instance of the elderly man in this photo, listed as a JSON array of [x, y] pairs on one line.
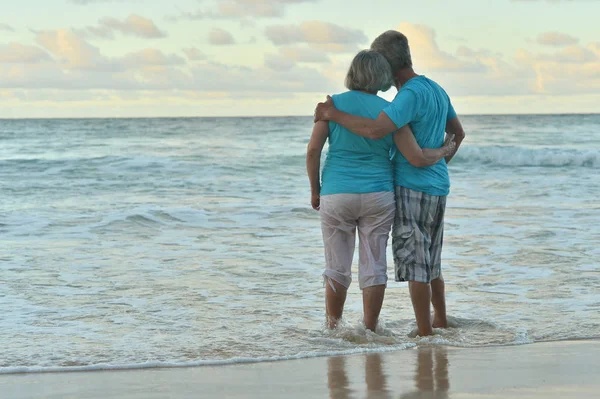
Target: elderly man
[[417, 234]]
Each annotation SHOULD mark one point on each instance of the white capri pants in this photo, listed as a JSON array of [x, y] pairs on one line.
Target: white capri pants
[[341, 215]]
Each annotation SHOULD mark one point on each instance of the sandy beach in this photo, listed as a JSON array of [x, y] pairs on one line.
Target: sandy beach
[[567, 369]]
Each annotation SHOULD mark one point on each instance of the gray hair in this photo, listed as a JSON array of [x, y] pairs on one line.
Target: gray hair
[[393, 45], [370, 72]]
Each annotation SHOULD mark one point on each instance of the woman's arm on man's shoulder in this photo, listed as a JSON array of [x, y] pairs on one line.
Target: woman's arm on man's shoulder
[[366, 127]]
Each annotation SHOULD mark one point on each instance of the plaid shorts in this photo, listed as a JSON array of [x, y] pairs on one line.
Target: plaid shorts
[[417, 235]]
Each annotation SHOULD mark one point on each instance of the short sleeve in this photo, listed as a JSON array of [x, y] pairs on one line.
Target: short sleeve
[[451, 111], [403, 109]]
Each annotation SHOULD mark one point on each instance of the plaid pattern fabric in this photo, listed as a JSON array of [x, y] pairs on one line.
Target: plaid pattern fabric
[[417, 235]]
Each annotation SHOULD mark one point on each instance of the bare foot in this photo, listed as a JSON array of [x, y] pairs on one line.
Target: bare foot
[[439, 322]]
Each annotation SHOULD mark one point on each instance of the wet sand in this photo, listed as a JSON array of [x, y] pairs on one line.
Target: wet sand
[[567, 369]]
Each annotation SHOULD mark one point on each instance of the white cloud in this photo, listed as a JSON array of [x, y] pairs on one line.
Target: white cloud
[[320, 35], [304, 54], [424, 49], [255, 8], [568, 55], [83, 65], [571, 54], [134, 25], [152, 57], [19, 53], [7, 28], [220, 77], [78, 65], [220, 37], [194, 54], [241, 9], [85, 2], [553, 1], [278, 62], [71, 51], [556, 39], [471, 73], [464, 51], [570, 70]]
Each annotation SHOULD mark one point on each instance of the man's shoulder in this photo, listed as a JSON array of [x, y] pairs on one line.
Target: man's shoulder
[[436, 86]]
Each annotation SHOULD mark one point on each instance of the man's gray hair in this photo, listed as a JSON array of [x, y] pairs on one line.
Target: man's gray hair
[[393, 45], [370, 72]]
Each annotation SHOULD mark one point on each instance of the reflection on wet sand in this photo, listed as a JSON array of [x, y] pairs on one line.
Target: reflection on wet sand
[[431, 374], [337, 379], [375, 377], [431, 378]]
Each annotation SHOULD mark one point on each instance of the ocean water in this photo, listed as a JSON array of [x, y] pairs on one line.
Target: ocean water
[[165, 242]]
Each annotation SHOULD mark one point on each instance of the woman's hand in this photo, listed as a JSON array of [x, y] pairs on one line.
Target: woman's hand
[[315, 201], [449, 145]]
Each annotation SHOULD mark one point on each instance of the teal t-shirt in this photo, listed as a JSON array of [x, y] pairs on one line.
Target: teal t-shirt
[[424, 105], [355, 164]]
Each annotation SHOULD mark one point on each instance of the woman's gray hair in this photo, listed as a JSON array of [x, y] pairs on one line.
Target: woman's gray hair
[[393, 45], [370, 72]]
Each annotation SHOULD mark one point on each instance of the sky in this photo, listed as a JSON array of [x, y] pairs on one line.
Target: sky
[[157, 58]]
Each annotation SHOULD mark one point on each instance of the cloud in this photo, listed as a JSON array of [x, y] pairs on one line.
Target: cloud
[[424, 49], [19, 53], [220, 37], [134, 25], [278, 62], [7, 28], [464, 51], [319, 35], [304, 54], [71, 51], [152, 57], [85, 2], [241, 9], [78, 65], [570, 70], [553, 1], [567, 70], [220, 77], [556, 39], [255, 8], [572, 54], [463, 74], [567, 55], [194, 54]]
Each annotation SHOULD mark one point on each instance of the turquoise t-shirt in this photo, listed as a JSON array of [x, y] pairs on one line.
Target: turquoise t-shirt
[[355, 164], [424, 105]]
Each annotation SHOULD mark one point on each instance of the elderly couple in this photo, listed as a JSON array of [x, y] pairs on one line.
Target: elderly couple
[[387, 162]]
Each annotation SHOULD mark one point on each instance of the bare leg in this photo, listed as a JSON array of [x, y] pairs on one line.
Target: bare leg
[[420, 294], [334, 302], [438, 300], [372, 301]]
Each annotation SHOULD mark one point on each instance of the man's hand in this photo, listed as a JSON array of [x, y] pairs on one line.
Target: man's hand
[[315, 201], [324, 110]]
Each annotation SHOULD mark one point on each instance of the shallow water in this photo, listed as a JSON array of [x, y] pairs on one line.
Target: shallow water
[[137, 242]]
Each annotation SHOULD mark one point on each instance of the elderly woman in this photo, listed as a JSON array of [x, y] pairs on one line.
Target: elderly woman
[[357, 188]]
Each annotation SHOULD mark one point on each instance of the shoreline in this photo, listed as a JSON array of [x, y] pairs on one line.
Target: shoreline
[[557, 369], [106, 367]]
